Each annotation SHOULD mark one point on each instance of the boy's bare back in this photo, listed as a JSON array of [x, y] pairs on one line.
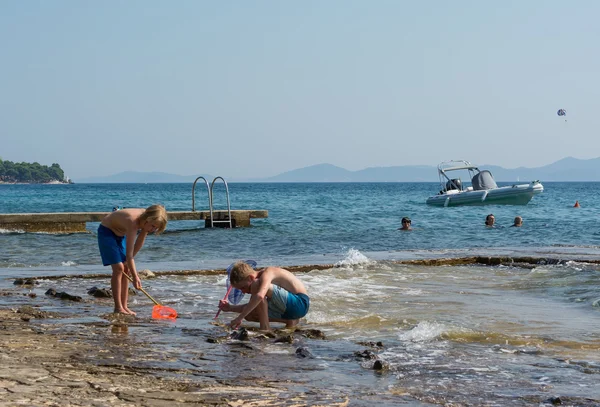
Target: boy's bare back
[[123, 221], [284, 279]]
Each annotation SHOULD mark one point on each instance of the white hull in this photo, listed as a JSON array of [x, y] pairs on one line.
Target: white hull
[[510, 195]]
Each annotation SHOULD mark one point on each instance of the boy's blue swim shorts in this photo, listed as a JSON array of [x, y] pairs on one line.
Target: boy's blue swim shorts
[[112, 247], [286, 305]]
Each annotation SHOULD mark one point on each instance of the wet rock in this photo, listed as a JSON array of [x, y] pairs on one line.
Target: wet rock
[[285, 339], [146, 274], [381, 365], [303, 352], [118, 318], [372, 344], [311, 333], [240, 335], [63, 295], [132, 291], [25, 281], [100, 292], [31, 312], [596, 303], [555, 401], [365, 354]]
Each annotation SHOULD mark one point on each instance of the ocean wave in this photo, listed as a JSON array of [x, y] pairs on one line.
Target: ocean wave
[[424, 332], [355, 258], [11, 231]]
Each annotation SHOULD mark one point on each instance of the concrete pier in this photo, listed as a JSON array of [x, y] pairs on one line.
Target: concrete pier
[[74, 222]]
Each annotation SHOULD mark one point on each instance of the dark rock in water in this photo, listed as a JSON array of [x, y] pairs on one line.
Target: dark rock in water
[[63, 295], [25, 281], [303, 352], [365, 354], [28, 311], [381, 365], [555, 401], [372, 344], [285, 339], [132, 291], [240, 335], [100, 292]]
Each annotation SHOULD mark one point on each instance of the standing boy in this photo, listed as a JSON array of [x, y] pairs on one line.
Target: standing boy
[[277, 296], [119, 242]]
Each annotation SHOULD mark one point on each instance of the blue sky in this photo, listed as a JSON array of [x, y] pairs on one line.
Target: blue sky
[[255, 88]]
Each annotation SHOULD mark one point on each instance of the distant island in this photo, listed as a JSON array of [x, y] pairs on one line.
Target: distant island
[[31, 173], [568, 169]]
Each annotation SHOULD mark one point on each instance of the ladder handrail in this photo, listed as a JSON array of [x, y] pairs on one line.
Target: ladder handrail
[[194, 194], [228, 203]]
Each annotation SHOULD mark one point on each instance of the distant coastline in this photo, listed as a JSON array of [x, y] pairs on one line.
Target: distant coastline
[[53, 182], [566, 170]]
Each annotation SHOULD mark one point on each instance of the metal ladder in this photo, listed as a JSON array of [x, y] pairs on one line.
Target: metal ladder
[[194, 194], [210, 200], [212, 221]]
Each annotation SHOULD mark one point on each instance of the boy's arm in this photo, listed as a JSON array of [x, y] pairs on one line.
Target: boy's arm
[[224, 305], [130, 253], [139, 242], [259, 290]]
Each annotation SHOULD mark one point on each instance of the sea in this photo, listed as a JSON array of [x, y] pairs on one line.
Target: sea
[[452, 335]]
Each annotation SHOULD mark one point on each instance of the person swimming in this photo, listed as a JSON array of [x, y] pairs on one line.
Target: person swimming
[[406, 222]]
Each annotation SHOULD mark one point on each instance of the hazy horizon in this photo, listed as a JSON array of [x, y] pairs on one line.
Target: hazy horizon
[[251, 90]]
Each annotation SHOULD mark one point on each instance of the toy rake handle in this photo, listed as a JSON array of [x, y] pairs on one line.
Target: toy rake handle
[[142, 290], [226, 295]]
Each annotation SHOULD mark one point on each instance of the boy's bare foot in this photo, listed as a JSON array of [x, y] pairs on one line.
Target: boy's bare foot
[[292, 323], [120, 311], [130, 312]]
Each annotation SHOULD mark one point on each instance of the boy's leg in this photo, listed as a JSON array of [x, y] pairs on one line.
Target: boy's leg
[[260, 314], [289, 323], [116, 283], [262, 310], [125, 290]]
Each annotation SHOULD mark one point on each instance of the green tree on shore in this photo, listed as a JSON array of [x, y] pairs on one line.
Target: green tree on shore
[[34, 173]]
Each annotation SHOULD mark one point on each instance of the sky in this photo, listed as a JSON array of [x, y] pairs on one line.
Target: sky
[[256, 88]]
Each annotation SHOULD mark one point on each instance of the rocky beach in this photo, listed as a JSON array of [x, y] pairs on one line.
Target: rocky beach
[[44, 365]]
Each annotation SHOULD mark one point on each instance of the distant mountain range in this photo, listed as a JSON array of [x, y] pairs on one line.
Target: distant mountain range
[[567, 169]]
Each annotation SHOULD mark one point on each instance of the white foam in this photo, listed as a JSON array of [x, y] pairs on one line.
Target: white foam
[[7, 231], [68, 263], [355, 258], [425, 331]]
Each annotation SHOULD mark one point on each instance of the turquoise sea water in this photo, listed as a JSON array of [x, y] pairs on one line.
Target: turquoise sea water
[[309, 222], [452, 335]]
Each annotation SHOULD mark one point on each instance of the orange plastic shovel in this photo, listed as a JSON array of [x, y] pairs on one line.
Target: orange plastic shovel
[[159, 311]]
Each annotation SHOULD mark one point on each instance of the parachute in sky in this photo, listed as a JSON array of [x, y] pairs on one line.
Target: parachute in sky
[[561, 112]]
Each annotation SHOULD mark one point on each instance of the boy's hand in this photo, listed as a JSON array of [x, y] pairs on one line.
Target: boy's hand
[[137, 283], [224, 305], [236, 323]]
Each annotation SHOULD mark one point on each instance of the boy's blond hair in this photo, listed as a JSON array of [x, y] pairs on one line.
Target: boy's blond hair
[[239, 272], [156, 214]]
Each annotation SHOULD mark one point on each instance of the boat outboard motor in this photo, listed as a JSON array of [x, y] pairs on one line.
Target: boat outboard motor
[[454, 183]]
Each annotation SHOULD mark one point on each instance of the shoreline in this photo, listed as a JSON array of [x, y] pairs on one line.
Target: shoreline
[[527, 262]]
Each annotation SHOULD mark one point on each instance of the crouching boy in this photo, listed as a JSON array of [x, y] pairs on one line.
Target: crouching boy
[[277, 296]]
